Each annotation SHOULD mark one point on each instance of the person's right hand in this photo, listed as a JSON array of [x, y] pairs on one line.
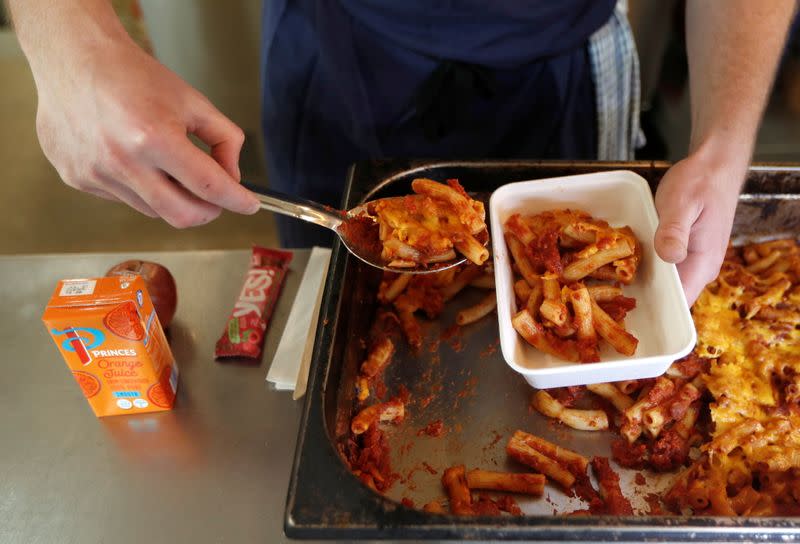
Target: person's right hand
[[115, 123]]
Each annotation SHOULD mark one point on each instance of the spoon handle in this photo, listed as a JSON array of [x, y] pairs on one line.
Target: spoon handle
[[299, 208]]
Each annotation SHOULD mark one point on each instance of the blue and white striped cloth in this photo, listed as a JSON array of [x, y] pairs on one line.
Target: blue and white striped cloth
[[615, 66]]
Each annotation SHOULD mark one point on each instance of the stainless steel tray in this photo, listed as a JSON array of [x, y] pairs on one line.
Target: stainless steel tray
[[478, 397]]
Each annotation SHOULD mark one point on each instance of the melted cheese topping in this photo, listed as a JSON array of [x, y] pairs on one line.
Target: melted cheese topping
[[747, 351], [747, 323], [717, 325], [424, 228]]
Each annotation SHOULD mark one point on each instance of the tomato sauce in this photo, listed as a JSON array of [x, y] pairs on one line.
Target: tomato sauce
[[362, 232], [618, 307], [670, 451], [368, 455], [568, 396], [614, 501], [434, 429], [544, 255], [629, 455]]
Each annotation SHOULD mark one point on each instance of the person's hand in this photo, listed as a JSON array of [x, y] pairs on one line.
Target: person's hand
[[115, 123], [696, 201]]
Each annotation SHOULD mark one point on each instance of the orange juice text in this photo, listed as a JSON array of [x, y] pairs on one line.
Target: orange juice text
[[108, 332]]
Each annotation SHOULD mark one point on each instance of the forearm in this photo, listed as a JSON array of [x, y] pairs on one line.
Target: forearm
[[114, 121], [64, 31], [733, 48]]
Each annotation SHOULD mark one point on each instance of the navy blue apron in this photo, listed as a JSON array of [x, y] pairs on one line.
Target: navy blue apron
[[348, 80]]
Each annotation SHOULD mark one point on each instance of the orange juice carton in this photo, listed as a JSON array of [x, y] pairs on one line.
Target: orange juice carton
[[108, 332]]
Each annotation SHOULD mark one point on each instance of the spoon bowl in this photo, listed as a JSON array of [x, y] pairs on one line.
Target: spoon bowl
[[356, 228]]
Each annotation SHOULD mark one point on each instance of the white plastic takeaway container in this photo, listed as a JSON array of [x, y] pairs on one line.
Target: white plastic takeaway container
[[661, 320]]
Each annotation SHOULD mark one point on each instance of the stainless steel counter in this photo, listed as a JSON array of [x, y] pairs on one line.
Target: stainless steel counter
[[214, 469]]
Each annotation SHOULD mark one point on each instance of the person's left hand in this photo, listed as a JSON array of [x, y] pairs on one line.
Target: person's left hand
[[696, 201]]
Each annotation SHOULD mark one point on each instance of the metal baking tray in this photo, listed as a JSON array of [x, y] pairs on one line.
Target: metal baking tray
[[478, 397]]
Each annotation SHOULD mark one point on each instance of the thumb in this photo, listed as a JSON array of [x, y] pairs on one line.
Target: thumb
[[676, 218]]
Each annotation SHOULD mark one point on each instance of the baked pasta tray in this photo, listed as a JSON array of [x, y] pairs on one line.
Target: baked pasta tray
[[463, 403]]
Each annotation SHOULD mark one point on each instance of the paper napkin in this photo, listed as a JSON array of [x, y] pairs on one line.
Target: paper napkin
[[289, 369]]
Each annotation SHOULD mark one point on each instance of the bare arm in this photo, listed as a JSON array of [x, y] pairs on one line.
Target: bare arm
[[114, 122], [734, 47]]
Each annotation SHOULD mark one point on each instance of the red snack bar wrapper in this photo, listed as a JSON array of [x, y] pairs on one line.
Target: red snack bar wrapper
[[247, 324]]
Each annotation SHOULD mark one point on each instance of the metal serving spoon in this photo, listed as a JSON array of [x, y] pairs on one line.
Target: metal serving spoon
[[342, 223]]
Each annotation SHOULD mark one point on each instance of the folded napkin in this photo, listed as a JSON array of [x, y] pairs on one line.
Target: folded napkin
[[289, 369]]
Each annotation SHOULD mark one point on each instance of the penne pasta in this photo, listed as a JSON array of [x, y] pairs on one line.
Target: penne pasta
[[572, 461], [522, 289], [378, 358], [743, 502], [554, 311], [459, 202], [410, 327], [605, 273], [520, 230], [654, 420], [719, 502], [698, 495], [628, 387], [444, 256], [551, 290], [525, 483], [604, 293], [581, 232], [400, 255], [462, 279], [471, 248], [764, 262], [535, 335], [362, 389], [390, 411], [519, 450], [583, 267], [521, 260], [608, 391], [582, 420], [534, 300], [684, 427], [584, 325], [479, 310], [620, 339], [632, 425], [427, 227], [625, 269], [783, 245], [391, 290], [608, 483], [454, 481], [556, 249]]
